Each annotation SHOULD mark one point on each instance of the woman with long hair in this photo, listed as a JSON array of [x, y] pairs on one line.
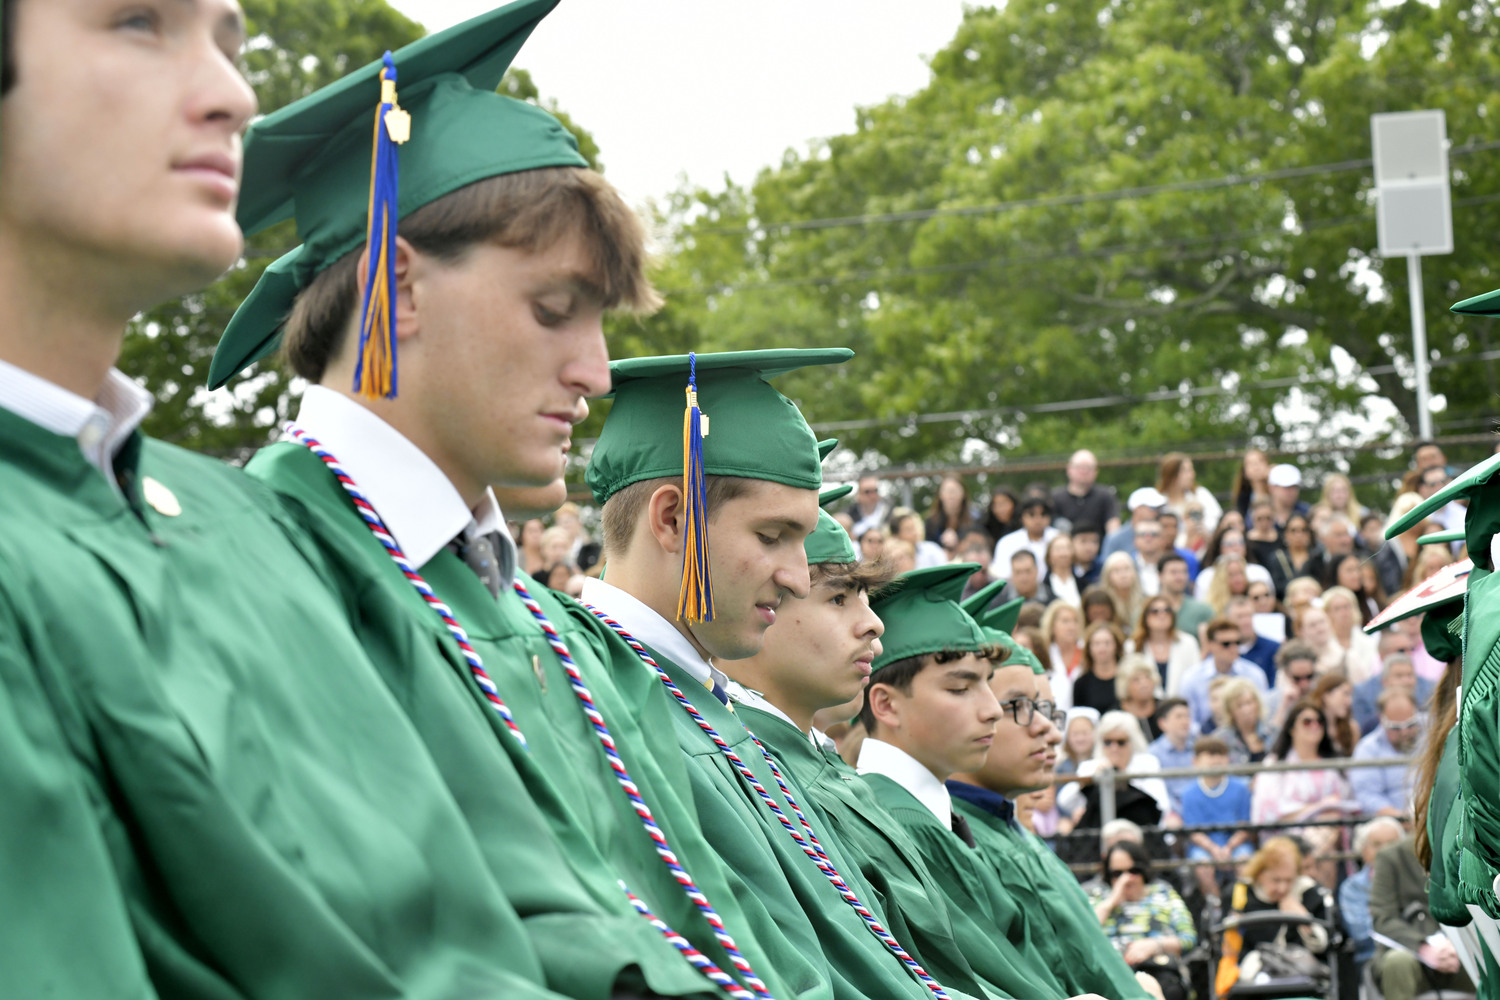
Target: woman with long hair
[[1100, 606], [1228, 541], [1299, 554], [1231, 579], [1000, 514], [1251, 480], [1348, 572], [1177, 480], [1158, 639], [1361, 652], [950, 514], [1062, 631], [1394, 558], [1080, 734], [1094, 687], [1120, 580], [530, 547], [1290, 796], [1431, 559], [1059, 570], [1338, 496], [1334, 694]]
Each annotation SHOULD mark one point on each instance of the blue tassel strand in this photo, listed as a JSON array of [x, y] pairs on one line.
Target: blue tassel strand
[[695, 601]]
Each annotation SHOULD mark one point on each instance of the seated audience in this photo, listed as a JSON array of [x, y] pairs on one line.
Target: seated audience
[[1120, 746], [1354, 893], [1174, 747], [1212, 799], [1094, 687], [1386, 791], [1145, 918], [1158, 639], [1418, 957], [1243, 728], [1223, 660], [1272, 881], [1335, 696], [1135, 687]]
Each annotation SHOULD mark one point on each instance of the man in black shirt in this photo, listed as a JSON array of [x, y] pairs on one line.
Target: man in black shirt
[[1083, 500]]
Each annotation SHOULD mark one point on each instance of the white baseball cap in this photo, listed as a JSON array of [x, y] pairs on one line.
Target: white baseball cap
[[1146, 496], [1285, 475]]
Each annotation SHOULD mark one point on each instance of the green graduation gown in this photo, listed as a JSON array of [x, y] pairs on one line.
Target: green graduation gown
[[1070, 939], [244, 809], [556, 829], [966, 878], [815, 920], [954, 947]]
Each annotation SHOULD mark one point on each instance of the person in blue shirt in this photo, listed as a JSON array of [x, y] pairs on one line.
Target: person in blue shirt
[[1223, 660], [1174, 747], [1386, 791], [1354, 893], [1397, 672], [1215, 798], [1256, 648]]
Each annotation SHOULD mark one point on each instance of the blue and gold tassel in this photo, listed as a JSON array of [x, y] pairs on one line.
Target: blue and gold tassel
[[695, 601], [375, 369]]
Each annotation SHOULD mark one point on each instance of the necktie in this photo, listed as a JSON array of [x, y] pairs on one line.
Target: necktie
[[478, 553], [961, 827]]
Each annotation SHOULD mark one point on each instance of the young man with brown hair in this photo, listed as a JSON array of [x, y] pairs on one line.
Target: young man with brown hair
[[208, 792], [507, 256]]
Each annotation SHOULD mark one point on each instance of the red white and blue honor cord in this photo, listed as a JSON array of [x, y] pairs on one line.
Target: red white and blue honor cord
[[664, 850], [810, 845]]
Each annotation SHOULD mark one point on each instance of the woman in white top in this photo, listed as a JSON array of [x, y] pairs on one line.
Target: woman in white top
[[1361, 653], [1122, 746], [1178, 482], [1062, 625], [909, 527], [1158, 639], [1060, 579]]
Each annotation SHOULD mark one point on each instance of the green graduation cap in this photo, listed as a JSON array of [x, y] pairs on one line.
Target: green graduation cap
[[312, 161], [825, 448], [829, 542], [699, 415], [998, 623], [922, 614], [1439, 537], [1487, 304]]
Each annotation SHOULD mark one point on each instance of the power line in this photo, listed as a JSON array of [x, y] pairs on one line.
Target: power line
[[1050, 201]]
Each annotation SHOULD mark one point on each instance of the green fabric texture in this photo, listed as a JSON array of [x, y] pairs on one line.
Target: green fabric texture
[[922, 614], [753, 432], [829, 542], [1487, 304], [556, 830], [311, 159], [969, 882], [821, 935], [949, 941], [1443, 821], [1070, 940], [1465, 485], [1442, 631], [997, 624], [825, 448], [210, 739]]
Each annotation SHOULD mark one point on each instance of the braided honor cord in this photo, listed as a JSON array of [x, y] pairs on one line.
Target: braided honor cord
[[658, 838], [377, 526], [810, 845], [694, 957]]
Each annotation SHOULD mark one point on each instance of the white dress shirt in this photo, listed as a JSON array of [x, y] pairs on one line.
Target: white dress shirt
[[880, 757], [100, 426], [417, 501], [642, 621]]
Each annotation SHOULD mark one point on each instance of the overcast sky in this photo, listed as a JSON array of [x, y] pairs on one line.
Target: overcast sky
[[704, 88]]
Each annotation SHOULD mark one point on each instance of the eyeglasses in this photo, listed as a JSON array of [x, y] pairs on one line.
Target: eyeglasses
[[1115, 873], [1158, 611], [1024, 709], [1309, 721], [1226, 643], [1400, 727], [1116, 741]]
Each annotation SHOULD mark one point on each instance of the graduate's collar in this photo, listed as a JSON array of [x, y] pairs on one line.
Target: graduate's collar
[[643, 622], [417, 502], [991, 802], [880, 757]]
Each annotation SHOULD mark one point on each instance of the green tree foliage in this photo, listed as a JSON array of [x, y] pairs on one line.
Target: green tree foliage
[[296, 47], [1041, 278]]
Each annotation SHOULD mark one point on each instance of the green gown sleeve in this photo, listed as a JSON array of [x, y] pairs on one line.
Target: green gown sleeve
[[70, 933], [1068, 936]]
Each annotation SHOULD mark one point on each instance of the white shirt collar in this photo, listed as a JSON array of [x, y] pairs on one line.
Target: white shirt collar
[[642, 621], [417, 502], [880, 757], [100, 426]]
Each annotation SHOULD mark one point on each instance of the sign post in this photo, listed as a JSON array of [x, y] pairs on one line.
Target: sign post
[[1413, 215]]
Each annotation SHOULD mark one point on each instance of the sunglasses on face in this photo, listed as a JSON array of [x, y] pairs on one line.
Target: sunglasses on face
[[1158, 611], [1115, 873], [1309, 721], [1226, 643], [1301, 678]]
